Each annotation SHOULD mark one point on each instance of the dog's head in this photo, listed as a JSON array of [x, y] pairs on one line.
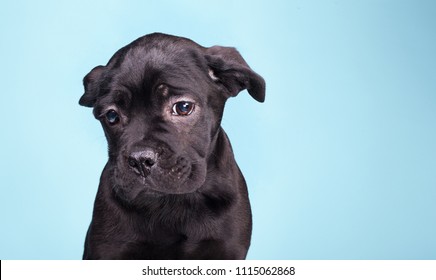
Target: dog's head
[[160, 101]]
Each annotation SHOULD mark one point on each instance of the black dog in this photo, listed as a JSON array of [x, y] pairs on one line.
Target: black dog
[[171, 188]]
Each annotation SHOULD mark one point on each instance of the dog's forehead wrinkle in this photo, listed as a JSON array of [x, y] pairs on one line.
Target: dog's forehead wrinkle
[[178, 63]]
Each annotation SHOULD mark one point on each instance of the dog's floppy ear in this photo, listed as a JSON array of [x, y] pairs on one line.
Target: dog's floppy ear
[[230, 69], [91, 83]]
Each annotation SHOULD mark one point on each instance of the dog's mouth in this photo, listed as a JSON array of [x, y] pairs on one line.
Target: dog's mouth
[[177, 172], [175, 178]]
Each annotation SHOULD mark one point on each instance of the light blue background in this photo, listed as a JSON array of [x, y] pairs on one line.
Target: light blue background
[[340, 159]]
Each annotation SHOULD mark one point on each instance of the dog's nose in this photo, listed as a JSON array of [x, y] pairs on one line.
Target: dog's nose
[[142, 161]]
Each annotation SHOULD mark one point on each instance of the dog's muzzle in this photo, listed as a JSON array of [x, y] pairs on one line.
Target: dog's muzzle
[[158, 169]]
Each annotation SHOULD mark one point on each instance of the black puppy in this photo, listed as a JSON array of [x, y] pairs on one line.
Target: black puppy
[[171, 188]]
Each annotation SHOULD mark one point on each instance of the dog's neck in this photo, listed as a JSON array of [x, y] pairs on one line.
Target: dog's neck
[[221, 152]]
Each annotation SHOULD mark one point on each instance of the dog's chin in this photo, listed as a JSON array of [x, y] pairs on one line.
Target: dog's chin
[[135, 190]]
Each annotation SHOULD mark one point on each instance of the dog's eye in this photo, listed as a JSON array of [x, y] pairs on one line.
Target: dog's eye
[[112, 117], [183, 108]]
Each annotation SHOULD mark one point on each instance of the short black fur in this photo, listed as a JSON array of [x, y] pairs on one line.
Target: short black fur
[[171, 188]]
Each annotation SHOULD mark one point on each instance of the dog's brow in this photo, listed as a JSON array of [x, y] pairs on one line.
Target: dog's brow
[[163, 90], [123, 98]]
